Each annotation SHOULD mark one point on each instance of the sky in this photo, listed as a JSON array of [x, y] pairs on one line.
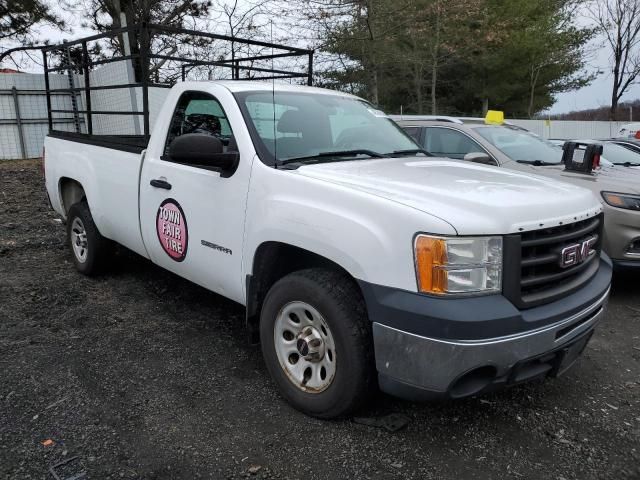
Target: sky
[[598, 93]]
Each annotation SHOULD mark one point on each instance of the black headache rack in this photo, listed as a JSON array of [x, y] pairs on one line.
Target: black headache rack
[[119, 68]]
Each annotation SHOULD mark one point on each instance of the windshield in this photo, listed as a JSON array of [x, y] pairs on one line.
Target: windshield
[[291, 125], [619, 155], [521, 145]]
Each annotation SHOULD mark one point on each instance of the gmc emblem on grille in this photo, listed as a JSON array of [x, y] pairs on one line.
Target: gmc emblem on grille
[[577, 253]]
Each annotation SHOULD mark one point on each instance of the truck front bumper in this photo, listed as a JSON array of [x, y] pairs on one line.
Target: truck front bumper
[[420, 356]]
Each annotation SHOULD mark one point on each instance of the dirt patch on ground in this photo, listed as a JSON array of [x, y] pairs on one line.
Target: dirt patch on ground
[[139, 383]]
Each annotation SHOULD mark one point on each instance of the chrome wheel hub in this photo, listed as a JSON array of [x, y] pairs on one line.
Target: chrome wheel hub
[[310, 344], [79, 240], [305, 347]]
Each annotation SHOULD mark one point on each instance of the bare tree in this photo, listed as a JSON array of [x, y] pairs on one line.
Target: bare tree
[[235, 18], [358, 31], [246, 19], [619, 23], [435, 30], [106, 15], [19, 20], [19, 17]]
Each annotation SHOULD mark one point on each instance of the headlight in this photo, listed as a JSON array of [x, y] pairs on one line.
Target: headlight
[[458, 265], [622, 200]]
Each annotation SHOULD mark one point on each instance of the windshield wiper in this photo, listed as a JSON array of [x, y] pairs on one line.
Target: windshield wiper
[[411, 152], [628, 164], [341, 153], [537, 163]]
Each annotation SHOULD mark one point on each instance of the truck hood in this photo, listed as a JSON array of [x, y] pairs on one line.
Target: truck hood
[[616, 178], [473, 199]]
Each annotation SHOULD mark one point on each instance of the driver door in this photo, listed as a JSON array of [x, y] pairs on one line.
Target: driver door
[[192, 218]]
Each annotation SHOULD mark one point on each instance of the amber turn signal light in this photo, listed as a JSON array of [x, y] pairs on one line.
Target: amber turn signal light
[[431, 256]]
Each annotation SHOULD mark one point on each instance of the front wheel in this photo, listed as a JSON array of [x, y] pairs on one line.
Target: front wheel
[[316, 342]]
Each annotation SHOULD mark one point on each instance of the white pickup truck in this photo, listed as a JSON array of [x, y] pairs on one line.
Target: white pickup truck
[[361, 261]]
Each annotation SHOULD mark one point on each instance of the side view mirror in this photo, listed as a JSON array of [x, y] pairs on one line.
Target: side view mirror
[[479, 157], [206, 151]]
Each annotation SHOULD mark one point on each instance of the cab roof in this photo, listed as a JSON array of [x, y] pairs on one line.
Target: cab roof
[[469, 122], [237, 86]]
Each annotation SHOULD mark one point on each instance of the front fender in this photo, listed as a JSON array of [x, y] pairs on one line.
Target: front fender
[[369, 236]]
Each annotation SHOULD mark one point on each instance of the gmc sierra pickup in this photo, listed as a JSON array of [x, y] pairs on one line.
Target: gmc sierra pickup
[[361, 260]]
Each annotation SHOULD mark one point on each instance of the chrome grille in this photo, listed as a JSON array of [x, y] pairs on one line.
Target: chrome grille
[[543, 271]]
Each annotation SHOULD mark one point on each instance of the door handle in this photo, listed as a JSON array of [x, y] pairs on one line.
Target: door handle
[[160, 184]]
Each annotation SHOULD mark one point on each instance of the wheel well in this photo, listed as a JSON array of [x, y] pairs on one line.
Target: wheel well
[[71, 192], [272, 261]]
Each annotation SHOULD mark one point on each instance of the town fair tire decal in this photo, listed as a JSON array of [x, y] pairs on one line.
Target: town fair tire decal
[[171, 226]]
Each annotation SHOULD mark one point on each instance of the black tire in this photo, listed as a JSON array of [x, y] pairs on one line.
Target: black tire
[[98, 248], [337, 298]]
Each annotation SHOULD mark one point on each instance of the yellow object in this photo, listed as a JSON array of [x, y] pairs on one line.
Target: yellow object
[[494, 117], [431, 256]]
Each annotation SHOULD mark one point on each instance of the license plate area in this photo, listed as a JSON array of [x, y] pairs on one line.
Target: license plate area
[[572, 352], [550, 364]]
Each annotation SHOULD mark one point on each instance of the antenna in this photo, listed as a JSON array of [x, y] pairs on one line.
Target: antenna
[[273, 104]]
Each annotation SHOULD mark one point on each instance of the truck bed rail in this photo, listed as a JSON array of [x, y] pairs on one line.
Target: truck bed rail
[[125, 143]]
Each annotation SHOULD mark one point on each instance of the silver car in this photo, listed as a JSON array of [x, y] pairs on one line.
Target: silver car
[[508, 146]]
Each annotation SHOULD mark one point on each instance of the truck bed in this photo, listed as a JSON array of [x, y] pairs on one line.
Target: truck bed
[[108, 175]]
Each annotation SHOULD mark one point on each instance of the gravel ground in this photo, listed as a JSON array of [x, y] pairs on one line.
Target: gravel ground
[[137, 383]]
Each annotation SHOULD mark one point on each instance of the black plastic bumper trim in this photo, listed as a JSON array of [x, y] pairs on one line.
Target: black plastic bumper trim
[[475, 318], [538, 367]]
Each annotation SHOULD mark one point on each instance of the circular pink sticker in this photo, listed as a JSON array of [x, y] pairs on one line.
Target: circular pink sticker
[[171, 226]]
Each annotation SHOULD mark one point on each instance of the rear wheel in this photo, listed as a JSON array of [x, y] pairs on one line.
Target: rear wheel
[[89, 248], [316, 342]]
